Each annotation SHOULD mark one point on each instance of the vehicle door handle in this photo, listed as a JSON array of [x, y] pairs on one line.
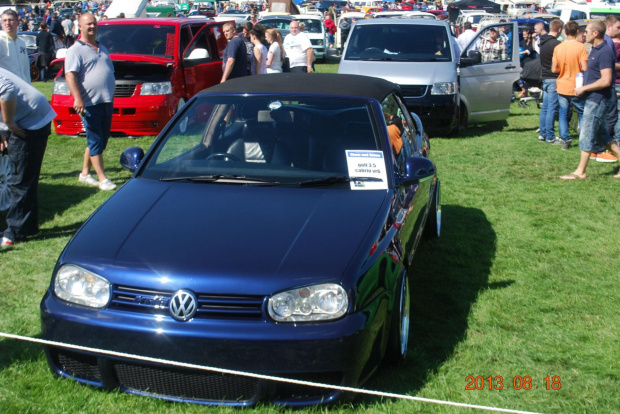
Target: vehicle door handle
[[511, 67]]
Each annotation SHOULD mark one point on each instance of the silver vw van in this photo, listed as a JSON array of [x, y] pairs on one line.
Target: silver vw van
[[442, 85]]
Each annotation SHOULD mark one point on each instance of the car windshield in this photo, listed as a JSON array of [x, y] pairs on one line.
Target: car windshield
[[278, 24], [138, 39], [265, 140], [399, 42], [312, 25], [29, 40], [234, 11]]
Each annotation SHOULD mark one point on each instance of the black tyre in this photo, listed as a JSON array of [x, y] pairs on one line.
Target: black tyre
[[432, 229], [398, 341], [35, 73]]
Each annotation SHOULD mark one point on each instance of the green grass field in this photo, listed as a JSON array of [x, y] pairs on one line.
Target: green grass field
[[521, 287]]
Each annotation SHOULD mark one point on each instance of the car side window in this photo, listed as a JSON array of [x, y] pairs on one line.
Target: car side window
[[220, 39], [399, 132], [199, 42], [494, 45], [186, 37], [410, 131]]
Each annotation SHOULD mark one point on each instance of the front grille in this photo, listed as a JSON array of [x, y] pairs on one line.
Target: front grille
[[124, 89], [213, 306], [413, 91], [198, 385], [289, 391], [76, 365]]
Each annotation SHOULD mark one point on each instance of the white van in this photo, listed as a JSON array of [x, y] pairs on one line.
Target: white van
[[441, 87]]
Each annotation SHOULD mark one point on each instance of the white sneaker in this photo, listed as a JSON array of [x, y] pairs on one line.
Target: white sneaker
[[88, 179], [107, 185]]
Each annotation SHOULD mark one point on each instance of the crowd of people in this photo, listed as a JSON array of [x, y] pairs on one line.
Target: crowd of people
[[254, 49], [569, 76]]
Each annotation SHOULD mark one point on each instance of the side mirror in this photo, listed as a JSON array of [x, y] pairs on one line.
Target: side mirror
[[131, 158], [418, 169], [473, 58], [198, 54]]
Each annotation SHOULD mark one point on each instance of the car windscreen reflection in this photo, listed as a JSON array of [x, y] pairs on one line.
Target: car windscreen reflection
[[263, 140]]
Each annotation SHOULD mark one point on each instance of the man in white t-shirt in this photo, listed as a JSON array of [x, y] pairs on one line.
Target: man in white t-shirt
[[298, 48], [13, 52], [465, 38]]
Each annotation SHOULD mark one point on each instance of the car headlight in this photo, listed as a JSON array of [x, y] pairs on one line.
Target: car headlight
[[319, 42], [156, 88], [311, 303], [76, 285], [444, 88], [60, 88]]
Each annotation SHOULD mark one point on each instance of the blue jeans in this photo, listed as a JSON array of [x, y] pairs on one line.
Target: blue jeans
[[26, 154], [616, 130], [565, 101], [548, 109], [593, 132]]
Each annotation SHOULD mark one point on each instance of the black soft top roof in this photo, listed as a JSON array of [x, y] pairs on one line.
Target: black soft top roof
[[309, 83]]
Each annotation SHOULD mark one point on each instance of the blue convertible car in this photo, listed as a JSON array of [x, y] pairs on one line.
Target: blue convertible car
[[269, 229]]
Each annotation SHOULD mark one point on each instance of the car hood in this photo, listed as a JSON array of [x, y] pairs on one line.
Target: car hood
[[119, 57], [402, 73], [201, 236], [141, 58]]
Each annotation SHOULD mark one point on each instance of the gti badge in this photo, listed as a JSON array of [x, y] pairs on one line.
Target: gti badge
[[183, 305]]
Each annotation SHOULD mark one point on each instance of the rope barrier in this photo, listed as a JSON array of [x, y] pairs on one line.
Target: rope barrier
[[258, 376]]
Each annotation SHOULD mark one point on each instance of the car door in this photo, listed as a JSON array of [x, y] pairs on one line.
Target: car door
[[486, 85], [411, 200], [202, 59]]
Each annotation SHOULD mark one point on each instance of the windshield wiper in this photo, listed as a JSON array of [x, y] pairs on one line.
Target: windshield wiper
[[211, 178], [336, 180]]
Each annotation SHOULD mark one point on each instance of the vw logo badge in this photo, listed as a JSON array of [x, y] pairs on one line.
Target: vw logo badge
[[183, 305]]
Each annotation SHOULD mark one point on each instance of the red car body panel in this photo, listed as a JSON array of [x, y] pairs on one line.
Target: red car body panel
[[136, 114]]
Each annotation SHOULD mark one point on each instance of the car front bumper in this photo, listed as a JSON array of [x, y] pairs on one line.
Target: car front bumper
[[439, 113], [136, 115], [342, 352]]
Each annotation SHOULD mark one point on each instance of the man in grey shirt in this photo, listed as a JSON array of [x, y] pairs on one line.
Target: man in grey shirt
[[90, 77], [24, 129]]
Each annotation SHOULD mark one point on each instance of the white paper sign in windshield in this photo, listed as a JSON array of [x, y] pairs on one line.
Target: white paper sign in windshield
[[367, 170]]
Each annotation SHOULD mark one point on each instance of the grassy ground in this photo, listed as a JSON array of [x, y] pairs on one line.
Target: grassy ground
[[522, 284]]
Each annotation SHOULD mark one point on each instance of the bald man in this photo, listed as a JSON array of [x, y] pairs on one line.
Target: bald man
[[90, 78]]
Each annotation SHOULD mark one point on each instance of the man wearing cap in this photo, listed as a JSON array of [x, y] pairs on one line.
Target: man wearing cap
[[492, 47]]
